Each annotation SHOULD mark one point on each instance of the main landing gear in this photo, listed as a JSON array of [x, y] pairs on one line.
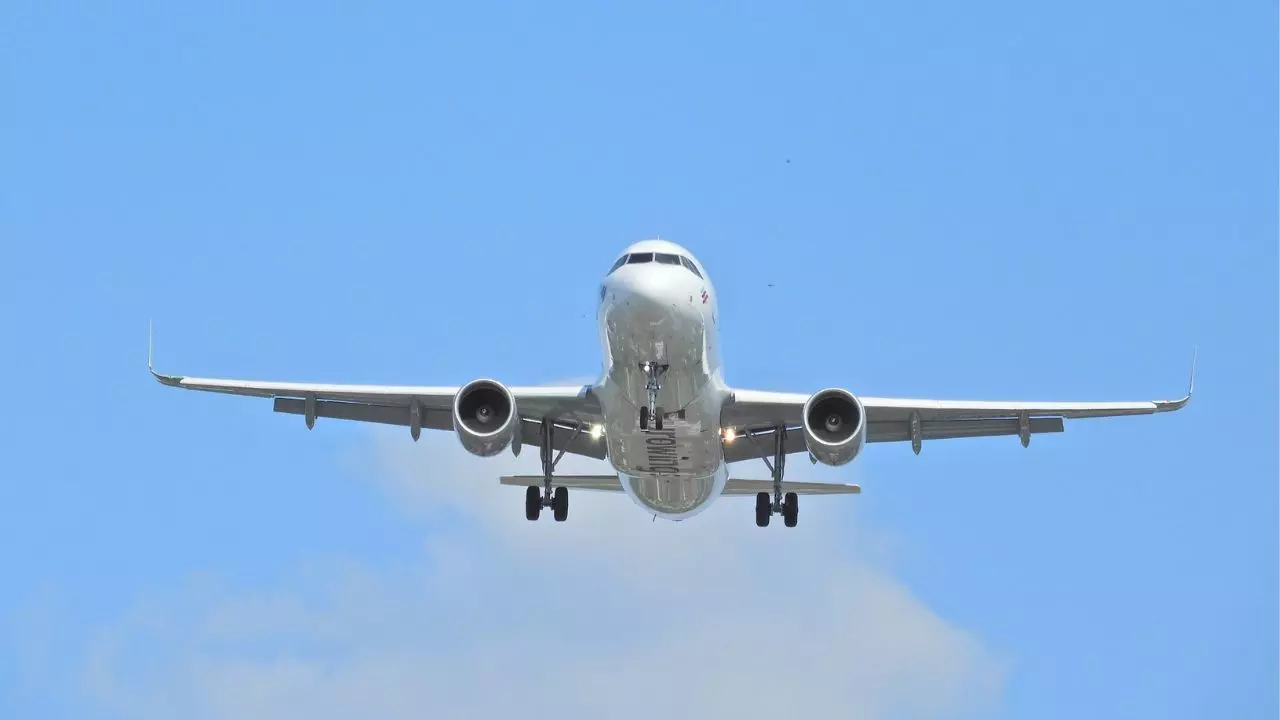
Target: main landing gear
[[651, 414], [536, 498], [787, 505]]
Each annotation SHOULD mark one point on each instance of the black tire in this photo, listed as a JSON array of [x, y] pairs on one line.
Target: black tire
[[791, 509], [532, 503], [763, 509], [657, 420], [560, 504], [644, 417]]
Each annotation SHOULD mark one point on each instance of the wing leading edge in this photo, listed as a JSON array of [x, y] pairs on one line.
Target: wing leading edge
[[761, 413], [570, 407]]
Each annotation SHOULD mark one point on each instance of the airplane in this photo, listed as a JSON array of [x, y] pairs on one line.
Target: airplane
[[661, 412]]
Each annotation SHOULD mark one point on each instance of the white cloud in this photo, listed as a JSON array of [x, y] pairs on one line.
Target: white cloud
[[607, 615]]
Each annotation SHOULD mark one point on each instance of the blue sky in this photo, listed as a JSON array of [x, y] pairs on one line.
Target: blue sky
[[995, 201]]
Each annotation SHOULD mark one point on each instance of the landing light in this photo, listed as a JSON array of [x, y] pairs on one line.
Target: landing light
[[597, 431], [729, 435]]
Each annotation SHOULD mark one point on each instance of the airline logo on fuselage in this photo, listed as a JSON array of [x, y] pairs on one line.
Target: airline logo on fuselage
[[661, 453]]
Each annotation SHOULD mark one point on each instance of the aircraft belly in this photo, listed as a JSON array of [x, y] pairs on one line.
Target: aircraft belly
[[675, 471], [679, 448], [674, 498]]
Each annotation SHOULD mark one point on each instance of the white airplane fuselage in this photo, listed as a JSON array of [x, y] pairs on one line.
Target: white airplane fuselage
[[663, 313]]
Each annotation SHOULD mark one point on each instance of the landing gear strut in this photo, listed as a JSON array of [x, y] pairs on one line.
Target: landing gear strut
[[651, 413], [536, 498], [787, 505]]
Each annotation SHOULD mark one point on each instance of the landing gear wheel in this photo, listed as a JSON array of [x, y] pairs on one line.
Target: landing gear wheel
[[532, 502], [657, 420], [791, 510], [764, 509], [644, 417], [560, 504]]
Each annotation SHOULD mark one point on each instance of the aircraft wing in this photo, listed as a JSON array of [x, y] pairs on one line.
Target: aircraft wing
[[569, 407], [758, 414]]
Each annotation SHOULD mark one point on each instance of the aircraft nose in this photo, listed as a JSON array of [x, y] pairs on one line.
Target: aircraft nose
[[651, 288], [658, 296]]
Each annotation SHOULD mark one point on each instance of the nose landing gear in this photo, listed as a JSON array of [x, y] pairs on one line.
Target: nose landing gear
[[651, 413]]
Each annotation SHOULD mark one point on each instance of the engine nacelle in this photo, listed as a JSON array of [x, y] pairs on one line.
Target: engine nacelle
[[485, 417], [835, 426]]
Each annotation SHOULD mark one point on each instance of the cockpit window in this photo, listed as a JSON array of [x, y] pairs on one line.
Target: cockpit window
[[689, 264], [661, 258]]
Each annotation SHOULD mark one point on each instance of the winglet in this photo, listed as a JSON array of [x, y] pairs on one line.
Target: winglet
[[1171, 405], [165, 379]]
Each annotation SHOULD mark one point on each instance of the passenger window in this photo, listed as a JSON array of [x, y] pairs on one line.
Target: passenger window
[[667, 259], [689, 264], [621, 261], [637, 258]]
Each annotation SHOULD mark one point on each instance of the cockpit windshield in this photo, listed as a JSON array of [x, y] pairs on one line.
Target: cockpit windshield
[[689, 264], [660, 258]]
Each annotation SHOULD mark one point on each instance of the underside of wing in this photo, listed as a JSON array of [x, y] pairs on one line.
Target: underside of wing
[[571, 435], [756, 417], [561, 402], [570, 410]]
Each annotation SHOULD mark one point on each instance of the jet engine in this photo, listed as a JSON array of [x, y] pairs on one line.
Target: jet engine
[[485, 417], [835, 426]]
